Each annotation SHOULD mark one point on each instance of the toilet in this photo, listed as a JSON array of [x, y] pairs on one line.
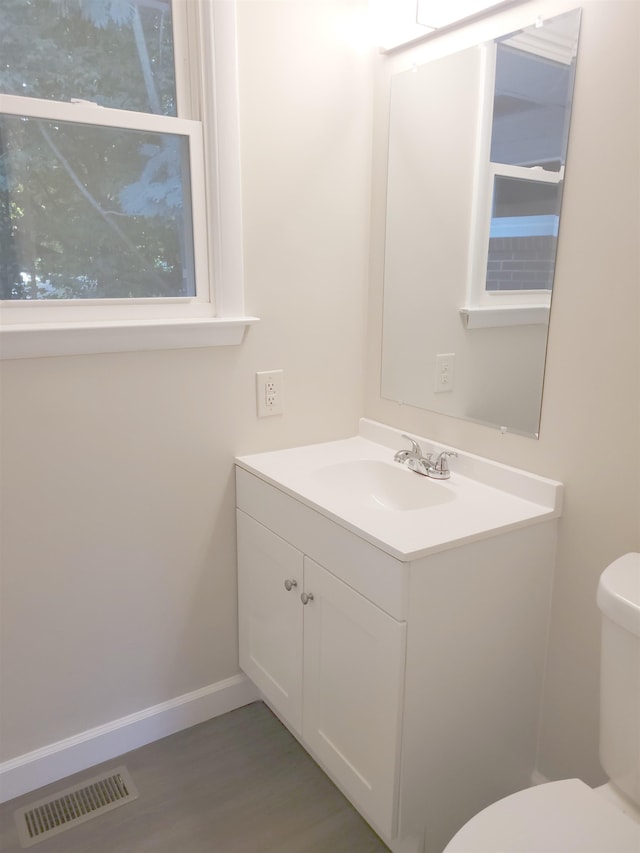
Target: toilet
[[569, 816]]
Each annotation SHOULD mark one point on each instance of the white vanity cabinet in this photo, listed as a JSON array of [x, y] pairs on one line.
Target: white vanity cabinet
[[413, 674], [332, 669]]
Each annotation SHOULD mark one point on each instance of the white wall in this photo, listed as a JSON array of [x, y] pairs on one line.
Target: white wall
[[590, 427], [118, 529], [118, 560]]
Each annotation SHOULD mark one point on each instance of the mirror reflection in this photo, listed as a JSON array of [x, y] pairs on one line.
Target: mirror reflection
[[477, 155]]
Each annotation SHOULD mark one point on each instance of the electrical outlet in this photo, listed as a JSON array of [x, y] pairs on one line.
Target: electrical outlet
[[270, 393], [445, 363]]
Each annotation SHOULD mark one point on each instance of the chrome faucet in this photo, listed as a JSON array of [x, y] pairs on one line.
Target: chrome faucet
[[414, 458], [422, 463]]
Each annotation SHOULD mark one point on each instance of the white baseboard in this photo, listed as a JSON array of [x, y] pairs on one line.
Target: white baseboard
[[538, 779], [57, 760], [408, 844]]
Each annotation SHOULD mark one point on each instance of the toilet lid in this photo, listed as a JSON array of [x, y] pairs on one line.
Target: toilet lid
[[559, 817]]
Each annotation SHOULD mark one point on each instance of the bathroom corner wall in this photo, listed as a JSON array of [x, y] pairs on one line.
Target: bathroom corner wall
[[118, 535], [118, 526], [590, 426]]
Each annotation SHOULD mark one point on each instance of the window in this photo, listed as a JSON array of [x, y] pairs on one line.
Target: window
[[108, 208]]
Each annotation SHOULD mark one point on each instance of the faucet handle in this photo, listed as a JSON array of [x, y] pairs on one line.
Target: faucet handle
[[440, 469], [415, 447], [441, 461]]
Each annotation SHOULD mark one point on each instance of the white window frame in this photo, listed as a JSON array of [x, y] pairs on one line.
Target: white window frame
[[92, 310], [484, 308], [205, 46]]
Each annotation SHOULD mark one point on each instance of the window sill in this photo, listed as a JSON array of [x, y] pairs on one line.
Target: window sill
[[54, 339], [507, 315]]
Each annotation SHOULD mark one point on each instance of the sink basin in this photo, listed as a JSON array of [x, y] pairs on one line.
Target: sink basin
[[355, 482], [380, 485]]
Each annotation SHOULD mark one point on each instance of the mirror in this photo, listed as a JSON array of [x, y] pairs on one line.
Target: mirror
[[477, 156]]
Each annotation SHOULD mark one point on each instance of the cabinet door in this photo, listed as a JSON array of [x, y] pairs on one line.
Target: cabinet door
[[353, 687], [270, 617]]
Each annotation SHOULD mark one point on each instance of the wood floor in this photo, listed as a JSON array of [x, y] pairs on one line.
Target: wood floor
[[239, 783]]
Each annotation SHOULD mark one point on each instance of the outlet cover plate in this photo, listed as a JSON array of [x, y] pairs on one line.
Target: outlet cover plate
[[270, 393]]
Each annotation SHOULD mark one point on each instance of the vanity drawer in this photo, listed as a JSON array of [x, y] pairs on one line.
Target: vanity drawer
[[373, 573]]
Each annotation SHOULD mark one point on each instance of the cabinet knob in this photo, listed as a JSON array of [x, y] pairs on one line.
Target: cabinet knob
[[306, 597], [289, 584]]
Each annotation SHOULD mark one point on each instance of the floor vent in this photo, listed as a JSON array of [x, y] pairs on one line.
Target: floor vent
[[75, 805]]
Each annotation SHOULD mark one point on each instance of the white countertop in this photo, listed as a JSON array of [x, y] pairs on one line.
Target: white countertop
[[339, 480]]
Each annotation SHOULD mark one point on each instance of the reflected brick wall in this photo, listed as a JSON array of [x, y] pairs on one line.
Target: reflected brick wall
[[521, 263]]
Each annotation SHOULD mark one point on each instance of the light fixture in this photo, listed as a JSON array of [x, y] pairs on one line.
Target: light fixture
[[400, 22], [435, 14]]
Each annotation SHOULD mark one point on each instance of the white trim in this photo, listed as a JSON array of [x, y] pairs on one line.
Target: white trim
[[184, 16], [103, 743], [480, 210], [221, 122], [407, 844], [537, 778], [535, 174], [505, 315], [85, 112], [52, 339]]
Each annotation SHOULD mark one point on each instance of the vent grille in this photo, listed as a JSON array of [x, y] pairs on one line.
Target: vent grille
[[74, 805]]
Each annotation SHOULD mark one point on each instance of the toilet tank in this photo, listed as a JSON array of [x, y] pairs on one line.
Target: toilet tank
[[619, 602]]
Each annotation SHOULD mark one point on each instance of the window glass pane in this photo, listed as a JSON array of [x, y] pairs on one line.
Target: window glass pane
[[118, 53], [531, 109], [93, 212], [524, 234]]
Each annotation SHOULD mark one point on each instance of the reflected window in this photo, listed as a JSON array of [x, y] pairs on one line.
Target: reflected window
[[530, 127], [522, 151], [524, 232]]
